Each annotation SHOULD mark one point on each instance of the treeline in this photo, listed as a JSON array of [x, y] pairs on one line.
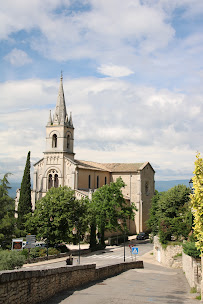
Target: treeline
[[177, 214]]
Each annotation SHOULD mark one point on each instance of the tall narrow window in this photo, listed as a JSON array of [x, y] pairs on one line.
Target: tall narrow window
[[105, 180], [68, 141], [50, 181], [97, 181], [89, 182], [54, 141], [56, 181]]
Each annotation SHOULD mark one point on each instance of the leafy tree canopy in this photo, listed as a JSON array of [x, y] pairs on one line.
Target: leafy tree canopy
[[197, 201], [56, 214], [170, 214], [6, 213], [108, 205], [153, 222]]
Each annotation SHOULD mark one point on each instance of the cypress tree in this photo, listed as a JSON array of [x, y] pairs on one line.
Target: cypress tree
[[25, 204]]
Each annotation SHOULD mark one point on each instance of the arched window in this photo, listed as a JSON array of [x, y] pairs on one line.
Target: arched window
[[105, 180], [89, 182], [50, 183], [56, 181], [97, 181], [68, 141], [54, 141]]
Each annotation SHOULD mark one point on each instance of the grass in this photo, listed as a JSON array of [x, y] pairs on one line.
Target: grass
[[172, 243], [193, 290], [178, 255], [198, 297]]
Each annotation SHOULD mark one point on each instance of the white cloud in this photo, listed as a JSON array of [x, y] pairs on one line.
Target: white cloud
[[87, 33], [18, 58], [138, 35], [113, 119], [114, 70]]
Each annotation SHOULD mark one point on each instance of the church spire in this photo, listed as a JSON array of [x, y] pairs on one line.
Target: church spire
[[60, 111]]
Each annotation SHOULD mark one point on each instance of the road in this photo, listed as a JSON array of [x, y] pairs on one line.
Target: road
[[153, 284], [110, 255]]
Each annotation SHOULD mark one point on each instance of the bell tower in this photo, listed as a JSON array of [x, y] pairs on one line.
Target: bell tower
[[59, 129]]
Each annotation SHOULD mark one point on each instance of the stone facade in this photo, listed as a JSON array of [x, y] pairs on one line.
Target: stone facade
[[35, 286], [60, 168]]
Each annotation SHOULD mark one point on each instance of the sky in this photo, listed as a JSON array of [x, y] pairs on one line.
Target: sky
[[132, 75]]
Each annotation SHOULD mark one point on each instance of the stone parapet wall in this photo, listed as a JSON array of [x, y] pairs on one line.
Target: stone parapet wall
[[192, 270], [35, 286], [166, 256]]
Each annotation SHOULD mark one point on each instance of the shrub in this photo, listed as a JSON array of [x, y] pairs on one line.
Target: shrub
[[11, 259], [53, 251], [61, 248], [190, 249], [25, 253]]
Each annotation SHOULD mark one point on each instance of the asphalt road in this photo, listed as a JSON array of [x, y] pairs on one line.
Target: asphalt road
[[115, 254], [153, 284], [110, 255]]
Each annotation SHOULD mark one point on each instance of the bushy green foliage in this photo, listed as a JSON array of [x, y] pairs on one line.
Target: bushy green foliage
[[108, 205], [11, 259], [25, 205], [56, 214], [170, 214], [153, 222], [39, 252], [7, 220], [197, 201], [190, 248]]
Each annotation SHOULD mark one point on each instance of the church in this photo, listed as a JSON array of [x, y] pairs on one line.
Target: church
[[59, 167]]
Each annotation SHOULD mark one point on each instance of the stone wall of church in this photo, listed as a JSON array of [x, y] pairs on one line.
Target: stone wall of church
[[83, 178], [132, 191], [147, 190]]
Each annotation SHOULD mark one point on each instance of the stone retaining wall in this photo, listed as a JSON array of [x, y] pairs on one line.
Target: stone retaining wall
[[35, 286], [166, 256], [192, 270]]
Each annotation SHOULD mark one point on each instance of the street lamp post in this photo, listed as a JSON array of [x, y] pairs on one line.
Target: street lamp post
[[191, 185], [120, 222], [49, 221], [74, 231]]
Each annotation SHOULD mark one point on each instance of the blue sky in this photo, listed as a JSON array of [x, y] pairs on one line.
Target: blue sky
[[132, 79]]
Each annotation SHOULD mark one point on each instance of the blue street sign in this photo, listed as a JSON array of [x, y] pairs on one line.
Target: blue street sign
[[134, 250]]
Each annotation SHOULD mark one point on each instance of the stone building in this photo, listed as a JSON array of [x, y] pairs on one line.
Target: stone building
[[59, 167]]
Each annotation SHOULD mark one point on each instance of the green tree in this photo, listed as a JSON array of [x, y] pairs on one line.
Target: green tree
[[56, 214], [25, 204], [153, 222], [174, 213], [108, 205], [197, 201], [7, 219]]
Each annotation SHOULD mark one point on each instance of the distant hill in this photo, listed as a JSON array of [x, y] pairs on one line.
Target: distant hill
[[159, 185], [166, 185], [14, 186]]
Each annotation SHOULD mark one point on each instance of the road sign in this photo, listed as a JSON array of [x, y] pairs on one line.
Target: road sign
[[134, 250], [30, 241], [17, 244]]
